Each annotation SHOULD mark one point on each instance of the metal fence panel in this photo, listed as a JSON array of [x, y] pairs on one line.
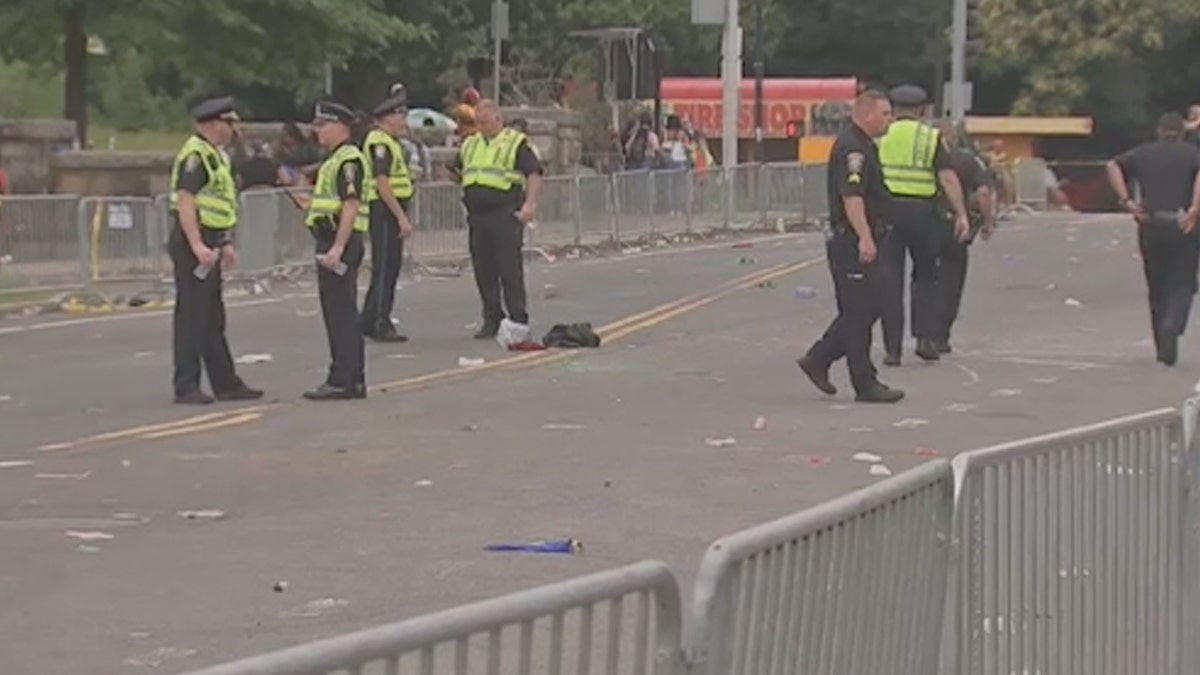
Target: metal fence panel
[[1070, 552], [440, 221], [534, 631], [123, 238], [595, 215], [557, 205], [39, 240], [855, 585], [260, 218], [1031, 182]]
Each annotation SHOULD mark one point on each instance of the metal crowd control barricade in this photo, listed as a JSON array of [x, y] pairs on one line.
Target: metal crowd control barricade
[[551, 625], [853, 586], [1030, 182], [260, 217], [1069, 552], [39, 242], [122, 238], [440, 221]]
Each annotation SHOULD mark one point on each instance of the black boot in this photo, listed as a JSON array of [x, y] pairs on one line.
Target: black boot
[[879, 392]]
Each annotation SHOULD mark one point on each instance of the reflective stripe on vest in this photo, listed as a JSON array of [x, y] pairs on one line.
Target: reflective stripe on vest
[[326, 205], [493, 163], [217, 203], [907, 152], [398, 176]]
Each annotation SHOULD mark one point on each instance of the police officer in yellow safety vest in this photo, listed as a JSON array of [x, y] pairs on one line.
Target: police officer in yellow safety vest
[[204, 211], [337, 218], [916, 162], [501, 179], [389, 191]]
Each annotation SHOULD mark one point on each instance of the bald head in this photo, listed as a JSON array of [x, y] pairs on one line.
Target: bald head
[[488, 117]]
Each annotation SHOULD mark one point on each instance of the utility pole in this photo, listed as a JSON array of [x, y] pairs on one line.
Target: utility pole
[[760, 67], [958, 61]]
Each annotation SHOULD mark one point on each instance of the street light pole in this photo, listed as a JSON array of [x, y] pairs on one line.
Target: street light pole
[[731, 80], [958, 61], [759, 72]]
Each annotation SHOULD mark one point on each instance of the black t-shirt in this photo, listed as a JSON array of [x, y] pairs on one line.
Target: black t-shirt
[[854, 171], [481, 199], [971, 171], [1164, 172]]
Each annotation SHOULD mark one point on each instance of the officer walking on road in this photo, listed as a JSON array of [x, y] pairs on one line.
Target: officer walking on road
[[204, 211], [1167, 174], [501, 179], [915, 161], [389, 192], [337, 218], [977, 186], [858, 203]]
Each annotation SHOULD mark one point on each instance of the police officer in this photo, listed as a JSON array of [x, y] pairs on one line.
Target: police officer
[[858, 204], [389, 192], [1167, 173], [204, 211], [978, 188], [915, 161], [501, 179], [337, 218]]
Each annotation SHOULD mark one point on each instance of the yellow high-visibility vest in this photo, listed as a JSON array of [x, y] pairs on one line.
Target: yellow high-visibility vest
[[492, 163], [398, 176], [217, 203], [907, 152], [326, 204]]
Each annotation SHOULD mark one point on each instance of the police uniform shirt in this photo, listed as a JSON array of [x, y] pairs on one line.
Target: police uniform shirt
[[971, 171], [480, 199], [381, 166], [1164, 171], [193, 176], [855, 171]]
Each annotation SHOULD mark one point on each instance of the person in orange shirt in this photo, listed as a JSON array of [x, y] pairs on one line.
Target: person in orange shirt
[[464, 113]]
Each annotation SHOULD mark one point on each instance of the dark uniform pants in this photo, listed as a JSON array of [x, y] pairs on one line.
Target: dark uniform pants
[[951, 278], [387, 255], [199, 322], [916, 232], [861, 291], [339, 307], [496, 241], [1169, 259]]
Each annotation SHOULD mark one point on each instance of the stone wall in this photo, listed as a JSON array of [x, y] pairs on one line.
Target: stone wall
[[27, 147], [112, 172]]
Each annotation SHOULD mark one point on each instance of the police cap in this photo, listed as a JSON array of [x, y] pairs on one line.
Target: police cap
[[332, 111], [398, 89], [394, 104], [221, 108], [908, 96]]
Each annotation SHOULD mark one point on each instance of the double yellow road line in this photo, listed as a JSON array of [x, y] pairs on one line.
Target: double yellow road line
[[609, 333]]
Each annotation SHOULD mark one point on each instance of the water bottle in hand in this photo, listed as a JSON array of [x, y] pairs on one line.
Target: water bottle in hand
[[339, 268], [202, 271]]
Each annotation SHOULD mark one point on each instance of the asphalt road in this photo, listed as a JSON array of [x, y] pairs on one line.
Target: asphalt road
[[377, 510]]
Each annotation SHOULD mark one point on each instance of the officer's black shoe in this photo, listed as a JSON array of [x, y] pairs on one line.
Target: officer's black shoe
[[943, 347], [328, 392], [194, 397], [241, 393], [488, 332], [817, 375], [879, 393], [1168, 351], [891, 360], [387, 334], [928, 350]]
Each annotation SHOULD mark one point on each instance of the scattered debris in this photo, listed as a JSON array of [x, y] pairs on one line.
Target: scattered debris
[[141, 635], [126, 463], [470, 427], [306, 313], [860, 430], [467, 362], [1072, 302], [143, 355], [15, 463], [720, 442], [316, 607], [839, 406], [961, 407], [72, 476], [1072, 259], [549, 292], [402, 356], [567, 546], [910, 423], [1045, 380], [90, 536], [159, 656], [1050, 287], [608, 483], [423, 483], [250, 359], [84, 548], [563, 427], [879, 470], [4, 398], [760, 423], [926, 452], [632, 250], [805, 292], [280, 586], [1006, 392], [747, 261], [202, 514], [867, 457], [766, 284], [641, 270]]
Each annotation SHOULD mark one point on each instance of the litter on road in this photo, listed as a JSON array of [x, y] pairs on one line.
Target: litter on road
[[202, 514], [90, 536], [879, 470], [250, 359], [720, 442], [867, 457]]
